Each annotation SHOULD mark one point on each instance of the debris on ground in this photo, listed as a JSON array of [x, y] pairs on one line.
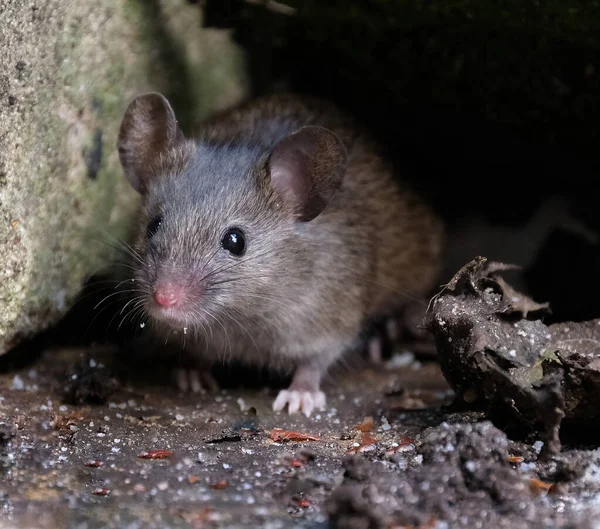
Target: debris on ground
[[459, 476], [89, 382], [497, 354], [279, 435], [386, 449], [156, 454]]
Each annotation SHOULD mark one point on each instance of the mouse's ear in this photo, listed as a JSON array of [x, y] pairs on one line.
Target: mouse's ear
[[148, 130], [306, 169]]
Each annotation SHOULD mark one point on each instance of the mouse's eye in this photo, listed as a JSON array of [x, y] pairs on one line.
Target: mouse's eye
[[153, 225], [233, 241]]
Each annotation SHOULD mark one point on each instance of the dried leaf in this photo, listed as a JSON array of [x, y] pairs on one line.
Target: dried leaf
[[65, 421], [101, 491], [367, 443], [220, 485], [156, 454], [539, 486], [366, 425], [402, 444], [515, 302], [277, 434]]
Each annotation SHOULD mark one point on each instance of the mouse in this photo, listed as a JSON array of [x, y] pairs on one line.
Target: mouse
[[269, 236]]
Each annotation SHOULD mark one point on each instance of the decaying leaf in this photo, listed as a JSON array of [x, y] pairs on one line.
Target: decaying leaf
[[277, 434], [156, 454], [498, 355], [538, 486], [101, 491], [366, 425], [366, 444]]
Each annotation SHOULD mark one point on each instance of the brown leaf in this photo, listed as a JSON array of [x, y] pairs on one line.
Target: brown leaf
[[156, 454], [402, 443], [515, 459], [366, 425], [515, 302], [277, 434], [367, 443], [220, 485], [538, 486], [101, 491], [65, 421], [196, 517]]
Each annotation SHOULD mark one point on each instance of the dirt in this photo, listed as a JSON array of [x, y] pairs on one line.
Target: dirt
[[387, 453]]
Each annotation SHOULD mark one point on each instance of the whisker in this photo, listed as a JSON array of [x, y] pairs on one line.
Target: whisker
[[138, 300], [99, 313], [233, 279], [112, 295], [137, 318], [237, 263], [212, 257], [348, 274]]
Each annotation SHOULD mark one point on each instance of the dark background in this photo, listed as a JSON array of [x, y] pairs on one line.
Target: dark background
[[487, 109]]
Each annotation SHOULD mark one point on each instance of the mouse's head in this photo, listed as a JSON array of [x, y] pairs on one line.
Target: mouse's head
[[222, 225]]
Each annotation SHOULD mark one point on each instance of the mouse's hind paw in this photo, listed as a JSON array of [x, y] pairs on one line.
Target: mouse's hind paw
[[195, 381], [304, 401]]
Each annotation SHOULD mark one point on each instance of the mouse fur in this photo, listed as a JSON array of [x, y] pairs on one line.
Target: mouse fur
[[331, 237]]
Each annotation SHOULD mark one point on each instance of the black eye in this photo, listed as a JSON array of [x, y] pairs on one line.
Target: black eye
[[153, 225], [233, 241]]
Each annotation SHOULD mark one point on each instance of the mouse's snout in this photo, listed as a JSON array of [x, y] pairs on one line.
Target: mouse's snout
[[173, 301], [168, 295]]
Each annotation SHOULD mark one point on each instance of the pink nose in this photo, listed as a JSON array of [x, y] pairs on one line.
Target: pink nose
[[168, 295]]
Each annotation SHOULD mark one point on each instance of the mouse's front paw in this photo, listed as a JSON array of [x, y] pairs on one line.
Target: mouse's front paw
[[304, 401], [195, 381]]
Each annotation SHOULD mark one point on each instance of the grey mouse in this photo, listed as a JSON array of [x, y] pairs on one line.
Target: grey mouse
[[270, 237]]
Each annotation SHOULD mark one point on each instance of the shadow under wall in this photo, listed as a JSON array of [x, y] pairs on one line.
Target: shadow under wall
[[485, 112]]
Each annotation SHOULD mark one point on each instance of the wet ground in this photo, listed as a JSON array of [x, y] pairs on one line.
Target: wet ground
[[384, 455]]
